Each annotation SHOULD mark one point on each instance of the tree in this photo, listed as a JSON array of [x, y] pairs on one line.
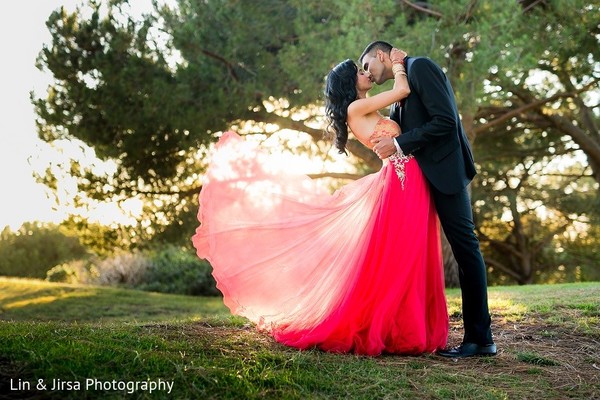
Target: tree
[[565, 54], [521, 205], [35, 248], [100, 240], [538, 143], [153, 109], [115, 92]]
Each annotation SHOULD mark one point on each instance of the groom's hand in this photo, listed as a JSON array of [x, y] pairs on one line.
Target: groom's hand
[[383, 147]]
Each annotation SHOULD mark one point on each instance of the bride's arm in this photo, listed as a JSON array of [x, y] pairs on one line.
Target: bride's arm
[[399, 91]]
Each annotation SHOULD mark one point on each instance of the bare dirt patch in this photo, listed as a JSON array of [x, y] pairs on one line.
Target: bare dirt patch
[[527, 351], [533, 348]]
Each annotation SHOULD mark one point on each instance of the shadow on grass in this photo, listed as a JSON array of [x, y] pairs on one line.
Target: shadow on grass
[[27, 300]]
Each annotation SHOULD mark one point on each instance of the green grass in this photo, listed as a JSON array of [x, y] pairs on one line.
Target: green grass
[[33, 300], [547, 337], [536, 359]]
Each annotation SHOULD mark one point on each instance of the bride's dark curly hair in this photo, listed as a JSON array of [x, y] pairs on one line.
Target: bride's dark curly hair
[[340, 91]]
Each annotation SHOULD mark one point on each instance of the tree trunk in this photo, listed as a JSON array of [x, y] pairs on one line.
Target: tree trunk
[[450, 264]]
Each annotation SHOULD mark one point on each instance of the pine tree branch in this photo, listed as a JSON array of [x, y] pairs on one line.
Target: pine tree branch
[[550, 236], [533, 4], [353, 145], [127, 192], [572, 176], [501, 245], [530, 106], [423, 9], [589, 146], [497, 264], [470, 11], [587, 116], [230, 66]]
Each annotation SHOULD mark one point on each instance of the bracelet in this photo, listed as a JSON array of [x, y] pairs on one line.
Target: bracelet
[[398, 69], [398, 61]]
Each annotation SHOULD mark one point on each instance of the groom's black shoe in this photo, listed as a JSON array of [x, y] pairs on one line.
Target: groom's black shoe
[[469, 350]]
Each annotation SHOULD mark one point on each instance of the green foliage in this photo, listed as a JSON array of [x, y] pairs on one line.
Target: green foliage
[[150, 94], [64, 273], [99, 239], [35, 248], [177, 270], [577, 257], [536, 197], [521, 207], [115, 92], [231, 52], [168, 269], [111, 84]]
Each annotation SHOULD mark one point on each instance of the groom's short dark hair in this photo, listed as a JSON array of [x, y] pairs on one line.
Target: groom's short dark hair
[[374, 46]]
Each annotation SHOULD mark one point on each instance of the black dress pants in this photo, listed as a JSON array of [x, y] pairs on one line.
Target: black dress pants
[[456, 218]]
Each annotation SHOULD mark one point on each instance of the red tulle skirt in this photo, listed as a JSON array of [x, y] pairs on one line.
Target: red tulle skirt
[[357, 271]]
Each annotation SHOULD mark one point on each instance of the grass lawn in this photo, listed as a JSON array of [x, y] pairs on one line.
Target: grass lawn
[[112, 339]]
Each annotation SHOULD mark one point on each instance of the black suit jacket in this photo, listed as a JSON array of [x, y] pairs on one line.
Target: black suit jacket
[[431, 128]]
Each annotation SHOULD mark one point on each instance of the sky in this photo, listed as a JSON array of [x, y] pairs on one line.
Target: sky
[[22, 35]]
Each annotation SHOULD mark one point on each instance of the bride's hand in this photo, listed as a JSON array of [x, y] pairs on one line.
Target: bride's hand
[[397, 55]]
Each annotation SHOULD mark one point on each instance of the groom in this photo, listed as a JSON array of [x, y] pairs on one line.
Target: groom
[[433, 133]]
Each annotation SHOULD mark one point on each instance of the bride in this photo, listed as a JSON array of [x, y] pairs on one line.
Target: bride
[[359, 270]]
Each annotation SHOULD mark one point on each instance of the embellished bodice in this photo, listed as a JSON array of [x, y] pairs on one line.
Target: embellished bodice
[[386, 127]]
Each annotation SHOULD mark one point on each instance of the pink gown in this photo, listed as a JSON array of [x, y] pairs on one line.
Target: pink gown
[[359, 270]]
